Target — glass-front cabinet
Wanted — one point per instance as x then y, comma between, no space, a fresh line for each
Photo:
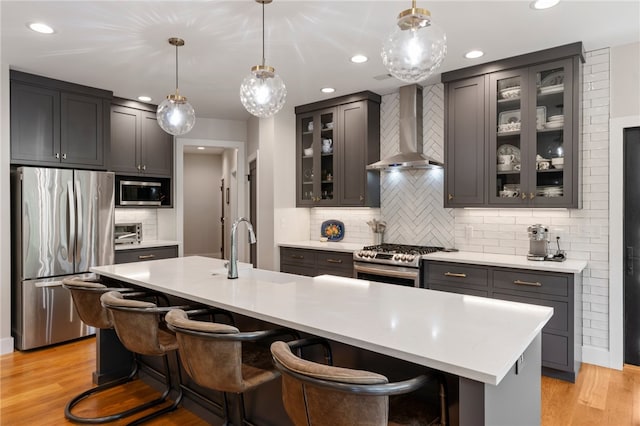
531,136
317,162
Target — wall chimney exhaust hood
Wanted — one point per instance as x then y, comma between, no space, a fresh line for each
410,156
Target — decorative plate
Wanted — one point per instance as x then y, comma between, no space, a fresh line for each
553,79
507,149
333,230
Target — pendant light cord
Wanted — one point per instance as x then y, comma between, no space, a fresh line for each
176,69
263,60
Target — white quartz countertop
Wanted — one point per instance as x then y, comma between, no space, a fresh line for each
473,337
329,245
147,244
507,261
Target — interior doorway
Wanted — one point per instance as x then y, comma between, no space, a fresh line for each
631,141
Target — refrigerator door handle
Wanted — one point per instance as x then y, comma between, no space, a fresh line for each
72,220
48,284
79,216
629,251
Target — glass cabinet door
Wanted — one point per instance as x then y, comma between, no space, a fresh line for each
316,160
327,158
507,160
553,127
306,149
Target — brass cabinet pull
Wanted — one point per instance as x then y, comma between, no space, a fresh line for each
452,274
334,260
297,256
531,195
361,198
529,283
57,155
450,197
524,195
144,167
146,256
64,156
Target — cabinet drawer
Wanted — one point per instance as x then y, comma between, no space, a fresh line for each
540,283
560,319
151,253
459,290
456,273
298,257
334,260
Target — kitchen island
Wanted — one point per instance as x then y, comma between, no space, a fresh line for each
492,347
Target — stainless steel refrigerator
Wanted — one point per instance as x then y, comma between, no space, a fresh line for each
62,224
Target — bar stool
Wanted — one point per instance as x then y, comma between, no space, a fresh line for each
139,326
220,357
86,299
318,395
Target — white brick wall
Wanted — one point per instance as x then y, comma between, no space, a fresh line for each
148,218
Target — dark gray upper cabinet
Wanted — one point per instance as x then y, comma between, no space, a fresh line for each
139,146
55,123
464,151
335,140
529,138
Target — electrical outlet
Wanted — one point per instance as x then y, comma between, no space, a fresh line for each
468,230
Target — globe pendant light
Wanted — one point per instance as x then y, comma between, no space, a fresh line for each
415,48
263,92
175,115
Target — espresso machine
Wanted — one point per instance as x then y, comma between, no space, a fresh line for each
539,245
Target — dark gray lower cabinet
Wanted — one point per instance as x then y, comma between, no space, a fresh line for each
311,263
147,253
561,337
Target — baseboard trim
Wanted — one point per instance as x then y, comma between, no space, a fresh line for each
6,345
599,356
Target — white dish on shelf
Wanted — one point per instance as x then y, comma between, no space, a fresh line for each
554,79
551,89
510,92
554,125
559,117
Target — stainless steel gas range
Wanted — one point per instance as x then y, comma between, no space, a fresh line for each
391,263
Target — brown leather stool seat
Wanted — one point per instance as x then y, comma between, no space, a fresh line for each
317,395
222,358
86,299
139,326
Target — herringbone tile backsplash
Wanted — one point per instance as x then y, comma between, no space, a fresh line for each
412,199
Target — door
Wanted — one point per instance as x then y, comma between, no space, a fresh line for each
125,139
352,156
156,147
48,222
94,204
222,230
253,210
631,140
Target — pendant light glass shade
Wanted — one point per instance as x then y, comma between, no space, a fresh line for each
263,93
175,115
415,48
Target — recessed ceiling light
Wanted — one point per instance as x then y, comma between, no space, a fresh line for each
201,148
144,98
40,27
473,54
543,4
359,59
327,90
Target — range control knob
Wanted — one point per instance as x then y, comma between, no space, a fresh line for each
410,257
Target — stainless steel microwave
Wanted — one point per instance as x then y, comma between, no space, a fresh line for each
139,193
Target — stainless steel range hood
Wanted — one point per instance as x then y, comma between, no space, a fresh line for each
410,156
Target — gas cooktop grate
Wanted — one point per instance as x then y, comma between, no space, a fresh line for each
403,249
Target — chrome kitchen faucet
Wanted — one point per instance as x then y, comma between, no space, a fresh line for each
233,262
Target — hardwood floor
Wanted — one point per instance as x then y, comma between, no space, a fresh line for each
36,385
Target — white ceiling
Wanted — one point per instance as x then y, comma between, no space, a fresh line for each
122,45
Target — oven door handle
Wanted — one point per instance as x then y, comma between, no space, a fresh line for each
386,272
